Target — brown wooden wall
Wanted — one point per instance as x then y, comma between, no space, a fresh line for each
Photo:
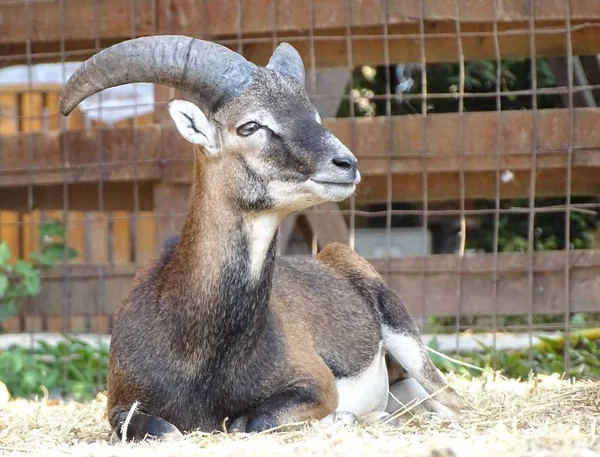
100,237
127,185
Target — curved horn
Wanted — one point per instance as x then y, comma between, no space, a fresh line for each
209,71
287,60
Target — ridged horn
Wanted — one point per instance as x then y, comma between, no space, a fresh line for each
210,72
287,60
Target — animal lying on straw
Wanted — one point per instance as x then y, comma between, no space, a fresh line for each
217,329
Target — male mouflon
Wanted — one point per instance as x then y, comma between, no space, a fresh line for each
216,326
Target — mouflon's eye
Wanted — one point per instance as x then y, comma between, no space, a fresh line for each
248,128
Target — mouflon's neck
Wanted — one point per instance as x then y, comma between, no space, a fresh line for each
224,261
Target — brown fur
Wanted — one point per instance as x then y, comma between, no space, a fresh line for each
216,327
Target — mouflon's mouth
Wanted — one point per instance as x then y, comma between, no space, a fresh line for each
335,182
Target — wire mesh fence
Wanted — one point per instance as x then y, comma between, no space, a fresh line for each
475,126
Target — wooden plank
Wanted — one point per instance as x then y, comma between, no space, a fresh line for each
405,187
327,223
75,20
329,86
79,25
171,205
75,226
30,234
31,112
52,114
146,236
447,186
12,325
286,228
435,293
55,323
121,237
409,141
368,45
99,323
329,47
39,88
79,156
10,232
413,146
9,112
405,146
88,294
110,19
83,197
99,232
402,144
33,324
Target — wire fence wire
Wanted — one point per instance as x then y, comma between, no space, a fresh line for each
475,126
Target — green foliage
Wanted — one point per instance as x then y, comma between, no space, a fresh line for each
481,77
76,369
22,279
53,248
19,280
549,228
71,368
541,359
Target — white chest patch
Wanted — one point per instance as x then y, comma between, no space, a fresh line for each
261,230
366,392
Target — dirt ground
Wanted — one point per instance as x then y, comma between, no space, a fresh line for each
545,416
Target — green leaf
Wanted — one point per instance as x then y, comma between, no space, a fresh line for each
52,228
30,279
7,309
4,253
23,268
4,285
54,253
578,319
29,381
434,344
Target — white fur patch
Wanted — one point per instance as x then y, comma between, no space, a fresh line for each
261,230
403,393
318,118
366,392
194,126
405,349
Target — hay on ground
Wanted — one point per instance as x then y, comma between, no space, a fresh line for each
545,416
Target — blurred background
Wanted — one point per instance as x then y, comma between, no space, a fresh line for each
475,124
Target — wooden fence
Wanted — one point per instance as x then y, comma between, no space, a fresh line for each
99,237
127,185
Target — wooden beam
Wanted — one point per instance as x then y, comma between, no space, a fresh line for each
373,189
446,142
113,196
434,293
327,223
328,91
286,228
591,67
171,206
477,185
407,147
400,145
80,27
329,48
86,19
80,156
560,68
437,292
